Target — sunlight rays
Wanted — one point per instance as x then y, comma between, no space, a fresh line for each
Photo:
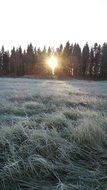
53,63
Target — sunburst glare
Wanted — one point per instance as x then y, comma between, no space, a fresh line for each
53,63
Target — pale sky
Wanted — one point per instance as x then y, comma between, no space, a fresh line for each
51,22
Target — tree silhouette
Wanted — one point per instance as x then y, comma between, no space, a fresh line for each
72,61
103,72
97,60
85,60
5,66
91,63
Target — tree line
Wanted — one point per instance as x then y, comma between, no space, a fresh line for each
73,61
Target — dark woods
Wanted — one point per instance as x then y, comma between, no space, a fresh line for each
73,62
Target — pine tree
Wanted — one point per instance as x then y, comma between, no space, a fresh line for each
5,66
66,60
85,60
19,62
49,51
91,63
0,63
60,49
30,59
103,69
97,60
13,62
77,60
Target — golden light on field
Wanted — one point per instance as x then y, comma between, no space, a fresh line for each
53,63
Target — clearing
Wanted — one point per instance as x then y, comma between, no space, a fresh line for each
53,134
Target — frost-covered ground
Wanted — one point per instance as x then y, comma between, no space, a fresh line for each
53,134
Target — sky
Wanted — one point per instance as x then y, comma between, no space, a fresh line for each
51,22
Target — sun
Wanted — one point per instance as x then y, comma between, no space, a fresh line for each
52,62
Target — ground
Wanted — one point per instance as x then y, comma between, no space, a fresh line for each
53,134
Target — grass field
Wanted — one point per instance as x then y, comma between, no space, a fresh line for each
53,135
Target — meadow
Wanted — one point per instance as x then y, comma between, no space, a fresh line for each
53,134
